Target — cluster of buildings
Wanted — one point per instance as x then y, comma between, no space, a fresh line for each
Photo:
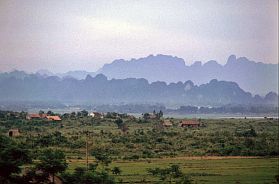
15,131
165,123
43,116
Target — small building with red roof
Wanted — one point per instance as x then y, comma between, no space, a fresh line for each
189,123
54,118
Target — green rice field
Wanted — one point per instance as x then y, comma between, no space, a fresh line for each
207,170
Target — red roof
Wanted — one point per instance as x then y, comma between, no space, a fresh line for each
54,118
34,115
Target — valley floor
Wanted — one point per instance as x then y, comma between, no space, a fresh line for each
202,170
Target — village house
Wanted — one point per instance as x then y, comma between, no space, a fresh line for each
189,123
36,116
167,123
53,118
13,132
96,115
33,116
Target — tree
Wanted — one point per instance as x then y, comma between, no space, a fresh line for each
79,114
160,114
185,180
146,116
41,112
73,114
81,176
175,171
116,171
12,156
251,132
119,122
172,172
154,112
84,113
52,162
93,167
121,125
66,116
124,128
102,156
80,170
50,113
22,114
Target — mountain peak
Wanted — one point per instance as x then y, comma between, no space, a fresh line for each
101,77
88,77
161,58
245,60
231,59
211,63
271,95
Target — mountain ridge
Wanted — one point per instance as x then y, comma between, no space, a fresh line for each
101,90
250,75
255,77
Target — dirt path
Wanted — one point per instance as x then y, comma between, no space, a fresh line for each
207,157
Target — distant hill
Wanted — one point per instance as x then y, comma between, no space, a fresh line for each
77,74
16,74
256,77
100,90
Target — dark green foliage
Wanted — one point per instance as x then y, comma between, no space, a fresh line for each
52,162
12,156
119,122
102,156
184,180
148,117
81,176
112,115
93,167
160,114
116,170
84,113
121,125
50,113
246,133
132,157
172,173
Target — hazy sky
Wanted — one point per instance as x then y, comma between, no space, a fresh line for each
73,35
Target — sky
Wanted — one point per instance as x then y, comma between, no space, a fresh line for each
83,35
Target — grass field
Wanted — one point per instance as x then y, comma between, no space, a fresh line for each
207,170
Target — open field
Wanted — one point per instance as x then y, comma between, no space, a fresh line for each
207,170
